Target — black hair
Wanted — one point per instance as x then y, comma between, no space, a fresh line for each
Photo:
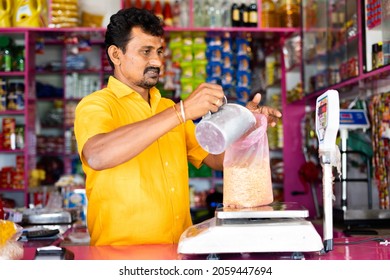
119,29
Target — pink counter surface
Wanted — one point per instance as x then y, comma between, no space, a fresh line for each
348,248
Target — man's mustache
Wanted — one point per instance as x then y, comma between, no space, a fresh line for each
154,69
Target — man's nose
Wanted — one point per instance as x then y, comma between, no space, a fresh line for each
156,60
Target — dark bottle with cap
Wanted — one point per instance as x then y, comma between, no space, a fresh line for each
235,14
243,15
252,15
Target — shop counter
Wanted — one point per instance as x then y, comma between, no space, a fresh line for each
347,248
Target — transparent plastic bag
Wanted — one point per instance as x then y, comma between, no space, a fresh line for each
247,173
10,248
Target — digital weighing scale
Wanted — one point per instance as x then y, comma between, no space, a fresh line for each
278,227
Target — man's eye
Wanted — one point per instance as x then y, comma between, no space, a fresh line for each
146,52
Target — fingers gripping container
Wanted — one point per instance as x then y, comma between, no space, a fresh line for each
247,173
217,131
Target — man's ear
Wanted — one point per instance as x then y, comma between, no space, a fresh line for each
114,52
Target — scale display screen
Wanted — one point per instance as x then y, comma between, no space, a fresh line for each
353,119
322,117
327,119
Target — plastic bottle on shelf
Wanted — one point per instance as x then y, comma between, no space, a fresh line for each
27,13
184,14
7,59
19,59
138,4
341,12
198,14
289,13
334,18
148,5
311,13
268,14
157,9
211,13
218,13
206,13
176,13
167,14
5,13
45,13
127,4
225,14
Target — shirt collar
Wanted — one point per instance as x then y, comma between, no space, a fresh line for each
120,90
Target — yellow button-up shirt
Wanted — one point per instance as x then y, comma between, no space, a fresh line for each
144,200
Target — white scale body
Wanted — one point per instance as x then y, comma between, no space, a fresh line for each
278,227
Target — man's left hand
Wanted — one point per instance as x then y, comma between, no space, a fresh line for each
272,114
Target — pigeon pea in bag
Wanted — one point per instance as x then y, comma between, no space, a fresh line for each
247,172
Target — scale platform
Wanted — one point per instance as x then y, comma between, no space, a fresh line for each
278,227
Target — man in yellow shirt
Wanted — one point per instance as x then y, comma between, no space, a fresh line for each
135,145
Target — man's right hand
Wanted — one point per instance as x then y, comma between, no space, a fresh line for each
205,98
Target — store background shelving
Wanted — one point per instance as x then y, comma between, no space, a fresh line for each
18,160
48,146
283,49
361,84
78,71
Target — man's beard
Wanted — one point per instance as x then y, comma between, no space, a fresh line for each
149,82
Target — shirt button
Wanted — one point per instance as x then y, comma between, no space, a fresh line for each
166,163
172,189
177,217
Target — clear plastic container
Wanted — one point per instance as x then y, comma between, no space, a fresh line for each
217,131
